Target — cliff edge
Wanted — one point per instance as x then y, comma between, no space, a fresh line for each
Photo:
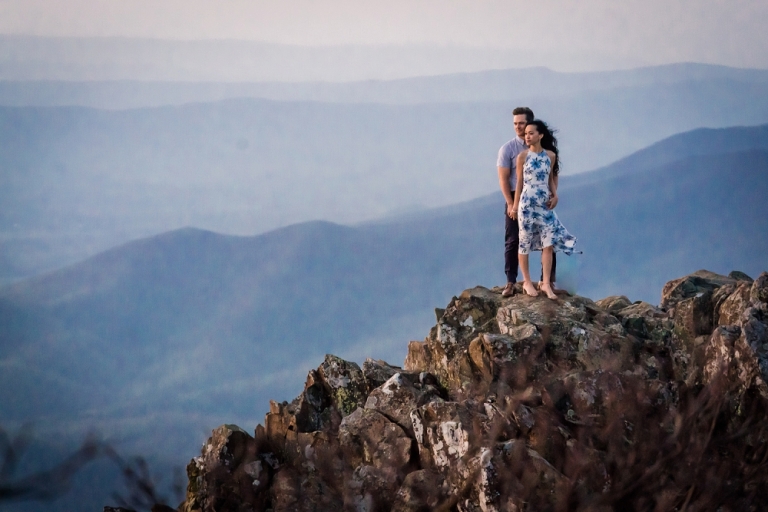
522,403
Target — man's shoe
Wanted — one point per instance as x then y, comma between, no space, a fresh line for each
508,290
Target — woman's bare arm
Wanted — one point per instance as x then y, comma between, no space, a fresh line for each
553,183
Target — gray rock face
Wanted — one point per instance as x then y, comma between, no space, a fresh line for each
614,303
398,396
758,292
522,403
699,282
226,473
377,373
730,304
379,451
369,437
345,384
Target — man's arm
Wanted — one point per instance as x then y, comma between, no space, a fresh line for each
504,166
518,186
504,173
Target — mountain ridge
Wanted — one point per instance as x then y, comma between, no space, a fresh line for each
238,60
489,85
698,142
80,181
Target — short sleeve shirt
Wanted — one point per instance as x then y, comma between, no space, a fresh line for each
508,158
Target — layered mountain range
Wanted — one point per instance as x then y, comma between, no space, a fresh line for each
77,181
482,86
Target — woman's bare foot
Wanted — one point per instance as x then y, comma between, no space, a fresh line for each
529,289
547,289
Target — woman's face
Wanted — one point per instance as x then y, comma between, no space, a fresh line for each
532,135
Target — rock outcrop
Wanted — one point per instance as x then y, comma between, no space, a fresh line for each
523,403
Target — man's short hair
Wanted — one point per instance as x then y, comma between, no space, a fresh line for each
524,111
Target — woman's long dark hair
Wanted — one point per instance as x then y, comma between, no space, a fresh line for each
548,141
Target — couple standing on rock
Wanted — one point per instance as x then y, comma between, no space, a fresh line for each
528,167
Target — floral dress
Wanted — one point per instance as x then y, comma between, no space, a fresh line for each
539,226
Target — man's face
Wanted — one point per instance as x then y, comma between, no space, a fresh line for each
519,121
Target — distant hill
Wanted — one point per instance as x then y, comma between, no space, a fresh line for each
515,85
155,341
76,181
119,58
24,57
695,143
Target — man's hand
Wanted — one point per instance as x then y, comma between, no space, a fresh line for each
552,201
512,211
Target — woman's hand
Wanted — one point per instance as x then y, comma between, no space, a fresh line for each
552,201
512,210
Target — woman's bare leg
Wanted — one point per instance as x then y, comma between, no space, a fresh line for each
527,284
546,263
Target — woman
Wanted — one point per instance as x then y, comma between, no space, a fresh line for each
535,198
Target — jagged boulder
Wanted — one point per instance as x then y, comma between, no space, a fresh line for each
378,452
377,372
731,303
758,293
524,403
527,339
692,285
331,392
345,384
444,352
489,490
400,395
369,437
739,350
227,474
442,433
614,303
719,328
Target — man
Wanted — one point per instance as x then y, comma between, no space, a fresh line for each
506,164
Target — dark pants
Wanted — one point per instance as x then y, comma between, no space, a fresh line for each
511,243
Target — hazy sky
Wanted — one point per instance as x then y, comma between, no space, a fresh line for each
730,32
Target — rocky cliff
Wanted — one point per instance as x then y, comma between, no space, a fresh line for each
524,403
